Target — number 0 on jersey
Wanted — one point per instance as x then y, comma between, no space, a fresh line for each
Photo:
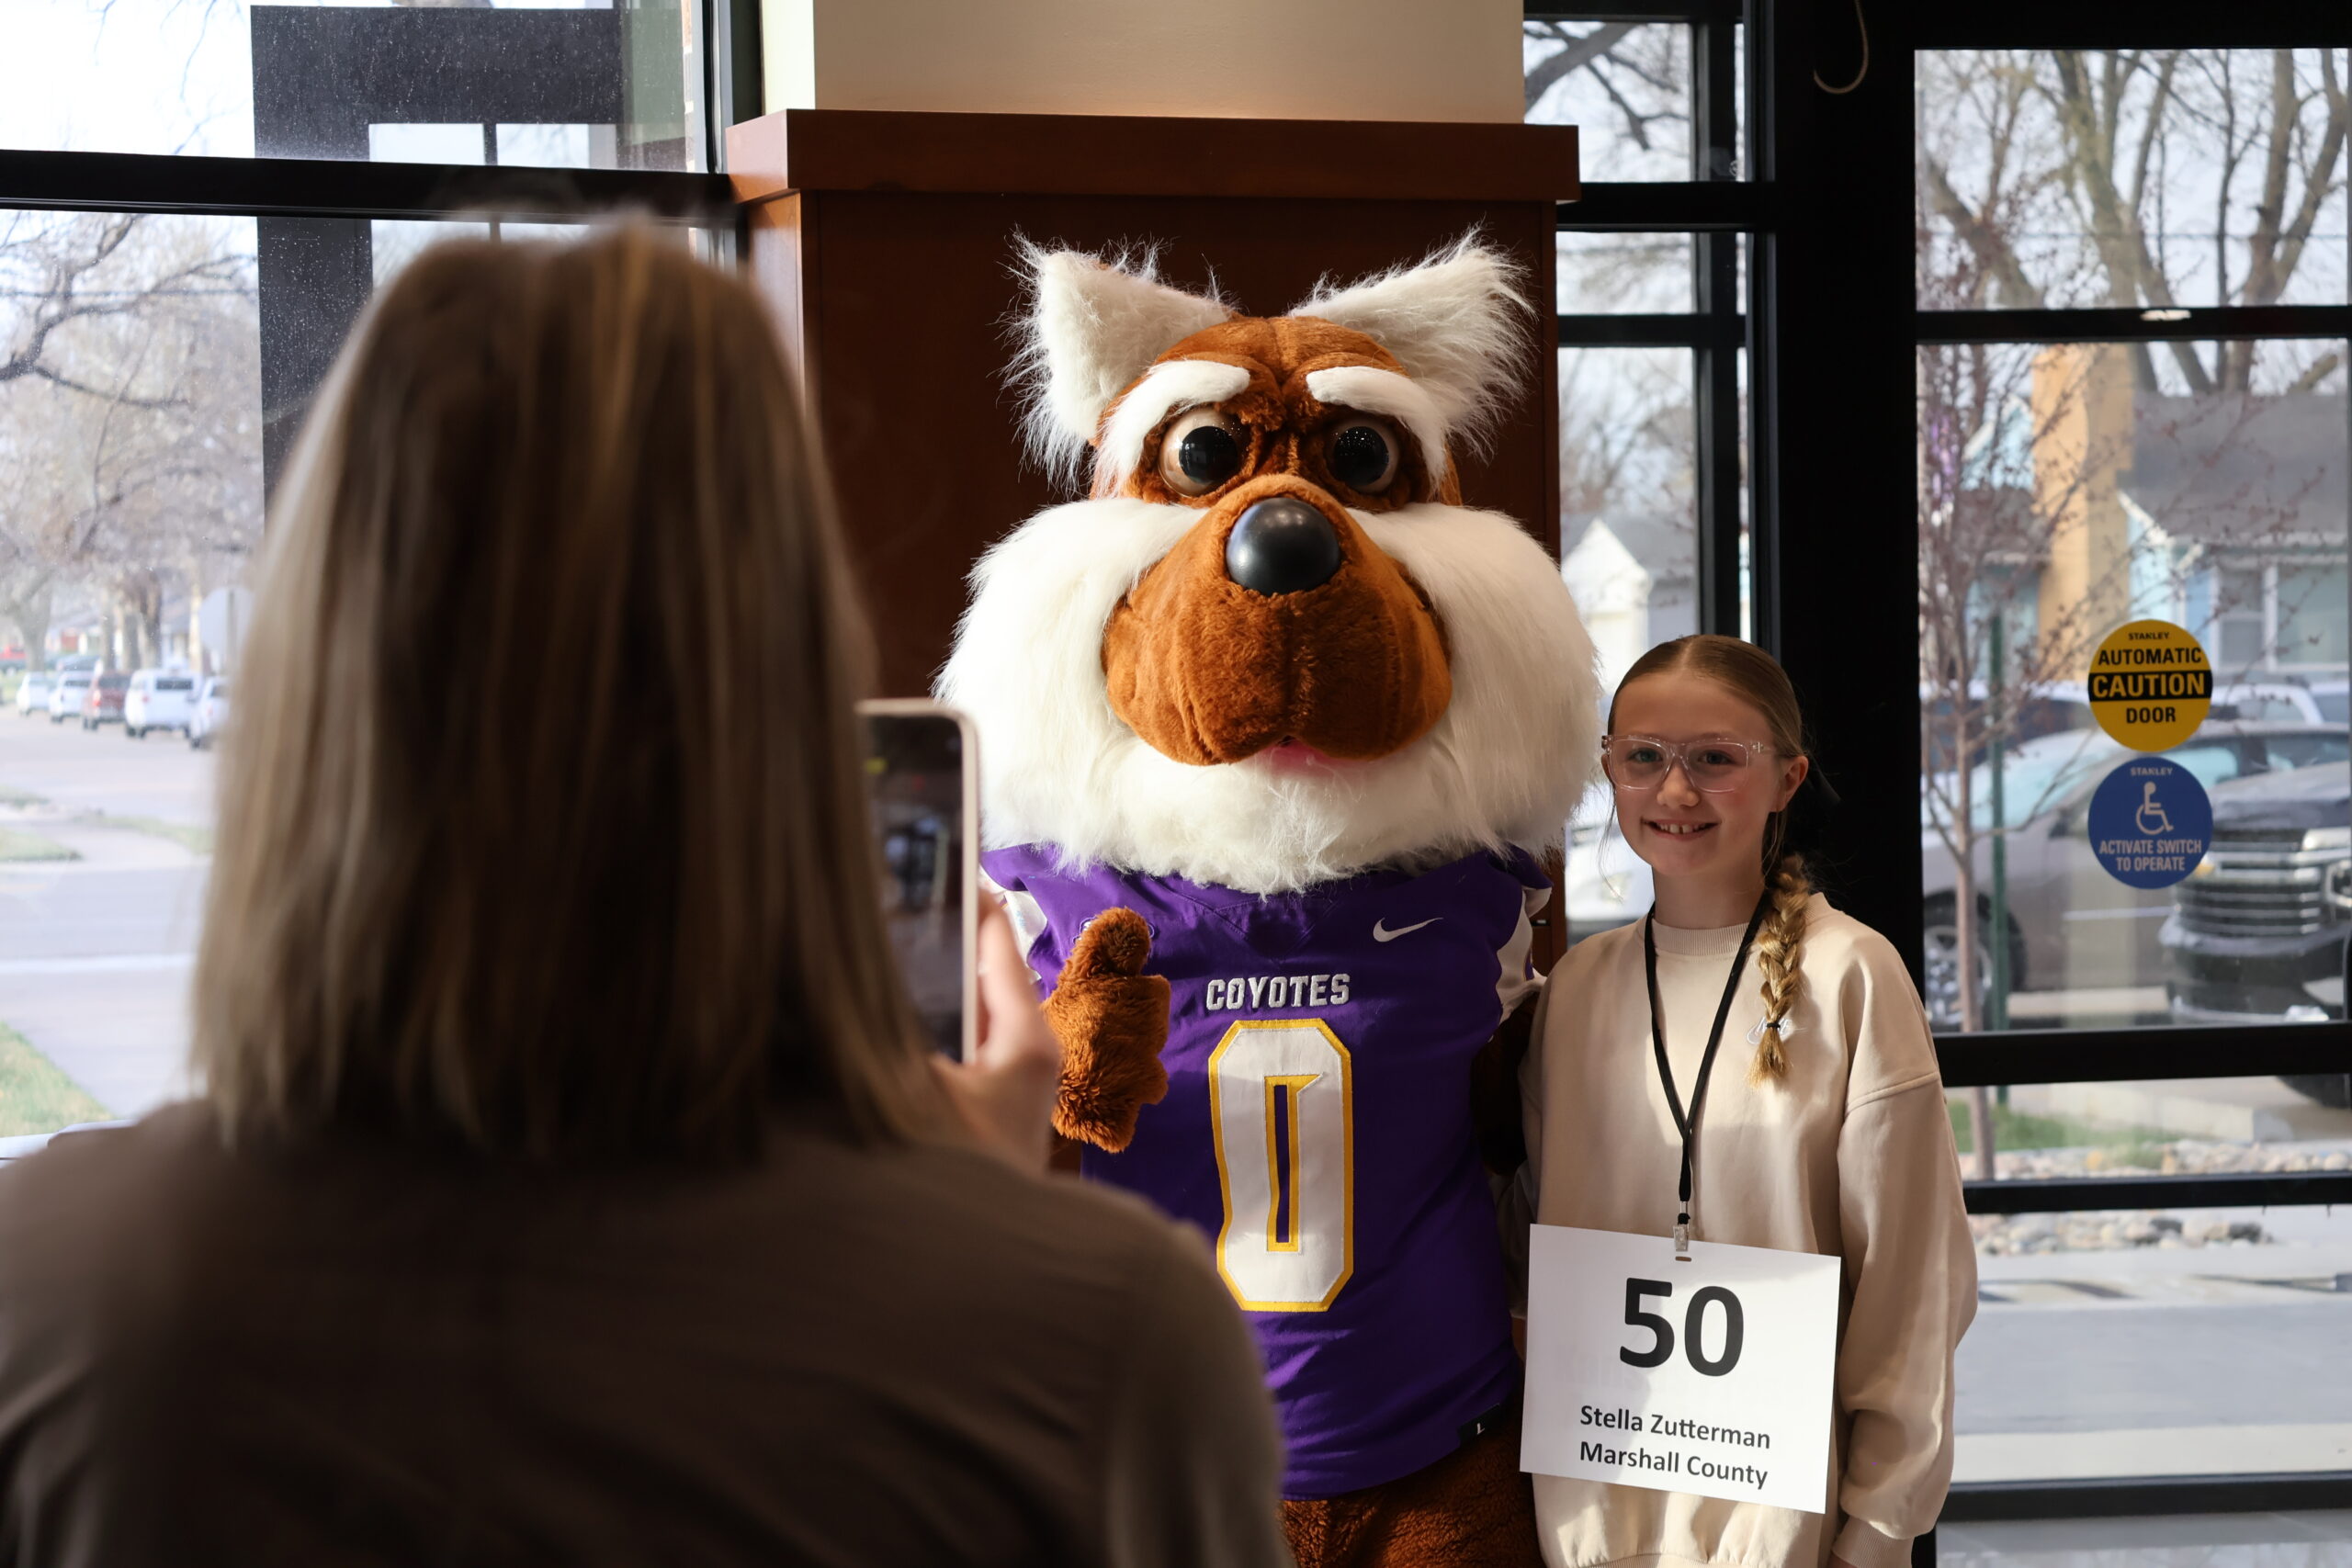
1281,1105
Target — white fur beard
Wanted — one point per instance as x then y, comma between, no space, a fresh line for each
1506,764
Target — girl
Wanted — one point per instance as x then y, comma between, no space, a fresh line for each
1821,1128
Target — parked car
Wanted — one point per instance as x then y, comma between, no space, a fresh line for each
2285,702
2054,708
102,700
66,696
2071,925
211,711
2258,933
158,699
32,693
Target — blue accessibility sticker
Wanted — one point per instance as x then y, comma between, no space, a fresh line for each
2150,821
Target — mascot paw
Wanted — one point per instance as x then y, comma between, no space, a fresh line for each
1112,1020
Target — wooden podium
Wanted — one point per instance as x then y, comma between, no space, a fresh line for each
884,241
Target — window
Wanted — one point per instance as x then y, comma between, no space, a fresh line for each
2152,177
1653,427
134,454
2131,403
158,358
2115,496
572,83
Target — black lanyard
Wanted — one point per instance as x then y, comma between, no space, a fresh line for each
1687,1122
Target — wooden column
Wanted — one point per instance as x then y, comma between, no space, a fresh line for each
886,241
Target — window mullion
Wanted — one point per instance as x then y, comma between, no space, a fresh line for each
1715,364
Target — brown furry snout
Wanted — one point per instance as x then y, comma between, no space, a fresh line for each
1207,671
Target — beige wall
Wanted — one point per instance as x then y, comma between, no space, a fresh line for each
1439,60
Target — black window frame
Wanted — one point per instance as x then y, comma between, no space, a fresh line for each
1719,206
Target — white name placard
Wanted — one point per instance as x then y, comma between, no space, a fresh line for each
1713,1376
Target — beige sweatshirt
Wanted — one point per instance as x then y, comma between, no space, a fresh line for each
1850,1154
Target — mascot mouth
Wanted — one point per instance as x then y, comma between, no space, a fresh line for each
1291,755
1276,625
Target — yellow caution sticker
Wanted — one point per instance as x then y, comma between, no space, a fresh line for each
2151,684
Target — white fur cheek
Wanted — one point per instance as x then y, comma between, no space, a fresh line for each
1027,665
1524,723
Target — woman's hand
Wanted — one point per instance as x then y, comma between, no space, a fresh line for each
1006,1096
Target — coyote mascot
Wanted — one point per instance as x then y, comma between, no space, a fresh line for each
1272,729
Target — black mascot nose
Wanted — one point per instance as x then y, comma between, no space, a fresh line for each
1281,546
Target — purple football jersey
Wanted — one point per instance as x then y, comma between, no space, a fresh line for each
1317,1128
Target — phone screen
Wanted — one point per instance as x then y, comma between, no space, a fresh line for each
916,768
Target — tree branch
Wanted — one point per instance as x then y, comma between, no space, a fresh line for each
1994,253
1579,52
58,378
2319,180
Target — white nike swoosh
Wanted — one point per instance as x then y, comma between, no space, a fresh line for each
1380,932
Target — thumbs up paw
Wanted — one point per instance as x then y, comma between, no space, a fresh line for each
1112,1020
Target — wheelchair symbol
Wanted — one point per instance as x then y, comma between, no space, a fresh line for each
2151,816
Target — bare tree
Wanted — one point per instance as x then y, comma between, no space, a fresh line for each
129,423
2111,146
1640,72
63,273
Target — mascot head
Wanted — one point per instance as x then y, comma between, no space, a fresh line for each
1273,648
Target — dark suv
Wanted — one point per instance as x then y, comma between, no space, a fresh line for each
2257,932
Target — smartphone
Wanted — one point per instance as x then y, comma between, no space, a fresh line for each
922,781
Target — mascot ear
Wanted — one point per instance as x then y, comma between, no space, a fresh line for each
1094,324
1457,323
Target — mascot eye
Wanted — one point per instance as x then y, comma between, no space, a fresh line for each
1364,455
1200,452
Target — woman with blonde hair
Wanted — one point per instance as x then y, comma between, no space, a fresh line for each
1821,1129
569,1181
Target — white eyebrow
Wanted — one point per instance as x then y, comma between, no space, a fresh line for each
1166,388
1371,389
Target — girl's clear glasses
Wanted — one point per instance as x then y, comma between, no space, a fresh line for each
1642,761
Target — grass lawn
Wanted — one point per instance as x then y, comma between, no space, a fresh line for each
35,1096
195,840
19,844
2134,1148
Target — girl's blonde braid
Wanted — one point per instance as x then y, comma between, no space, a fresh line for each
1780,954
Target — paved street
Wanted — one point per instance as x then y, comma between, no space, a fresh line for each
2134,1376
95,951
100,770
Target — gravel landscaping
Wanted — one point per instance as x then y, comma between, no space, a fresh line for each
2108,1230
